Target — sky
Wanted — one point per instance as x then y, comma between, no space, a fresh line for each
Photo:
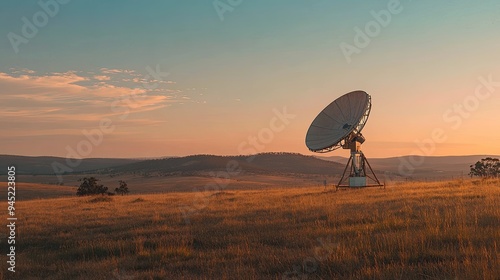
172,78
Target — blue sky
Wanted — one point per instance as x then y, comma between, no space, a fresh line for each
226,76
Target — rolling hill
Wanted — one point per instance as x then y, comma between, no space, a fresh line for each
421,167
266,163
395,168
185,173
43,165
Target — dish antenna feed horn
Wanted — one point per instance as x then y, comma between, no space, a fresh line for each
339,125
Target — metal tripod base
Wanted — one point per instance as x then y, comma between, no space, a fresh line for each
359,171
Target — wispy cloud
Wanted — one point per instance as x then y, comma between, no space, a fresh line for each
102,78
116,71
80,98
8,112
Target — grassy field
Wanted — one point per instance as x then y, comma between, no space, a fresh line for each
29,191
162,184
442,230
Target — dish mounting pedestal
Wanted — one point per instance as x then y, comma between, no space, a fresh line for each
359,168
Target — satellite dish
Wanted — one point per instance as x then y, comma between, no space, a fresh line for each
339,125
345,116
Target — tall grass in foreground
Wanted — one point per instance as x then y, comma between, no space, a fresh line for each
445,230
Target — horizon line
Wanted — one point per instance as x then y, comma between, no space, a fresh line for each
319,155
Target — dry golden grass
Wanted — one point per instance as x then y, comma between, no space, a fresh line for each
445,230
28,191
179,183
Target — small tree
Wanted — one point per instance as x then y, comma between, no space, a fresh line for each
486,168
90,186
123,189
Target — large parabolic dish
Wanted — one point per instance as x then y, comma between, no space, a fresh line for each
344,117
339,125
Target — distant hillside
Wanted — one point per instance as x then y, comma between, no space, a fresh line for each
432,167
268,163
43,165
440,167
